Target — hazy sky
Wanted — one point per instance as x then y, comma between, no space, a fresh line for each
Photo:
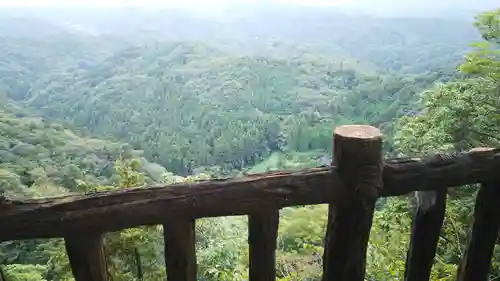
177,3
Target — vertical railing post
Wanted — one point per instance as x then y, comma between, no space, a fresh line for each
476,261
262,240
138,264
2,274
358,160
180,250
426,228
86,257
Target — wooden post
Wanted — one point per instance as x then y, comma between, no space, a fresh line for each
358,160
86,257
2,274
180,250
138,264
427,224
476,262
262,239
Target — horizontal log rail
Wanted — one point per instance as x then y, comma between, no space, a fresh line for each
351,185
115,210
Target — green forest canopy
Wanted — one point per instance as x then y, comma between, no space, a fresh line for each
186,100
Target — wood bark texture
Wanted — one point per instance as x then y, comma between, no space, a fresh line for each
358,158
180,250
2,274
116,210
476,262
86,257
262,240
426,228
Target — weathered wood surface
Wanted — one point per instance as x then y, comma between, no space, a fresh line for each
404,176
262,241
180,250
476,262
110,211
358,158
2,274
427,224
138,264
115,210
86,257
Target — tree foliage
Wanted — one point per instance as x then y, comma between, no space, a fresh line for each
458,116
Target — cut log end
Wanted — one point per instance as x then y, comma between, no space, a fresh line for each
357,155
358,132
482,149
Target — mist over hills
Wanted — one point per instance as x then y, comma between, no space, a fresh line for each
460,9
224,10
261,20
344,30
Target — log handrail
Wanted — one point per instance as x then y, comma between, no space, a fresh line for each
114,210
351,185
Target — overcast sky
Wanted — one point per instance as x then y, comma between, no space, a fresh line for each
158,3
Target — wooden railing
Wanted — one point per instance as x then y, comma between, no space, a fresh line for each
351,186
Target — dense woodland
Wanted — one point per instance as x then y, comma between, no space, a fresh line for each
94,104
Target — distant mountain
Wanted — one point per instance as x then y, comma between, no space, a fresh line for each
462,9
398,43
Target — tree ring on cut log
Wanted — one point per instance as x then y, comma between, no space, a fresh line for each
482,149
358,132
357,156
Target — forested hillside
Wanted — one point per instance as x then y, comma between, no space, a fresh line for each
189,105
40,158
185,103
114,99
